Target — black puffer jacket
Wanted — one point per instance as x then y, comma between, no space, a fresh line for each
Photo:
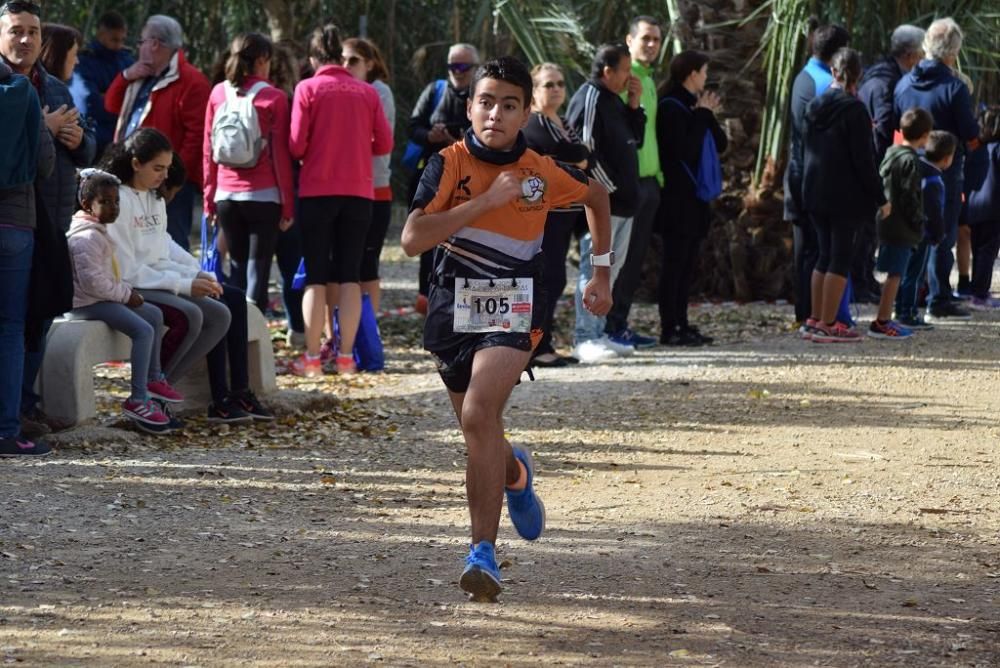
840,178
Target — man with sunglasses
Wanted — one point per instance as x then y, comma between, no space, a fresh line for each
163,91
439,119
51,289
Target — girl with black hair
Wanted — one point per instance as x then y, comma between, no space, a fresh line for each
164,273
250,203
684,115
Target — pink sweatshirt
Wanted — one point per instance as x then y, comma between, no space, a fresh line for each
273,170
337,127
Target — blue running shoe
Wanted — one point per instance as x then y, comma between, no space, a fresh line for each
481,577
627,337
526,510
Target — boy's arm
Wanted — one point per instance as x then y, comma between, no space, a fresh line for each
597,292
423,231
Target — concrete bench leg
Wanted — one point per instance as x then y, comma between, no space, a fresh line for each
67,375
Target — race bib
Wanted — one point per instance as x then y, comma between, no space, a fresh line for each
497,305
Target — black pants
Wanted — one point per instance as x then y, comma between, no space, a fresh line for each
680,257
631,272
863,266
333,238
806,250
289,252
985,246
381,217
232,348
560,227
251,230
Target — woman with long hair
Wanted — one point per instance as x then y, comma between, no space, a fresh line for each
364,61
253,201
338,125
60,47
549,134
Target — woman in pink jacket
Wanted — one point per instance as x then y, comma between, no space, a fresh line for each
252,201
337,127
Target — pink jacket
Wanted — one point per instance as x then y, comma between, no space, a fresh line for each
273,170
337,127
92,253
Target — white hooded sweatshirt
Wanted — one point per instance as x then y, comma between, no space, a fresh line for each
149,259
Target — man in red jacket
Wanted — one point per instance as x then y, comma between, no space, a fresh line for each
163,91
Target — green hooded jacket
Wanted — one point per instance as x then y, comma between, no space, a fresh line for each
901,178
649,154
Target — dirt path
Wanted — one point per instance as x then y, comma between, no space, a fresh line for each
762,502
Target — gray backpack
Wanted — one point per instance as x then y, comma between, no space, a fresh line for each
236,137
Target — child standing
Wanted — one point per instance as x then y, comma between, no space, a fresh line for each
939,151
100,294
902,230
984,214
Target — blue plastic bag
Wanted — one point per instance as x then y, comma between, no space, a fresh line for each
211,259
368,352
844,310
299,280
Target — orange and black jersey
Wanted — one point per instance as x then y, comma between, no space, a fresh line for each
501,240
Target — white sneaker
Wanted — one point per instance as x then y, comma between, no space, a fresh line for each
619,349
592,351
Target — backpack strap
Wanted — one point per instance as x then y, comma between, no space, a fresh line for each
439,87
678,103
256,88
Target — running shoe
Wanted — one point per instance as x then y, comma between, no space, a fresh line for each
619,349
693,332
481,577
838,332
916,323
145,412
162,390
947,310
627,337
890,329
228,411
526,510
251,405
346,365
593,351
22,447
983,303
307,367
808,328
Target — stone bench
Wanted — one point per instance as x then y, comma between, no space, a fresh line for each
75,346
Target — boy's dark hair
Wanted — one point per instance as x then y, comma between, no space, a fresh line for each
144,145
112,21
846,67
176,174
940,145
828,40
684,63
608,55
92,182
509,69
324,45
633,26
915,123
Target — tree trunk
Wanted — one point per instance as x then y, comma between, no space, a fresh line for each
279,19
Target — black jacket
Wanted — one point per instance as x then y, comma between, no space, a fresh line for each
450,110
613,132
876,90
803,92
680,136
840,178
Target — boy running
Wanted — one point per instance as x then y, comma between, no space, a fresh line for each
481,205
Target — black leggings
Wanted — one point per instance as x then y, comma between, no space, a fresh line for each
333,238
381,217
985,246
251,230
806,250
232,349
835,237
559,229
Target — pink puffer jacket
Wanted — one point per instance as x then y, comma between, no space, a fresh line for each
92,252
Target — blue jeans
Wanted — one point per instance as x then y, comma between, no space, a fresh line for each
913,278
590,327
180,215
16,246
942,260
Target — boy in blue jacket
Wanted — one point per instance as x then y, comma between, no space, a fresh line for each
939,152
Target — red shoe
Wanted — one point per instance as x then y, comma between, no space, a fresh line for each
307,367
838,332
346,365
162,390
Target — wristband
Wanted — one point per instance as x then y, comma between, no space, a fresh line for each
606,260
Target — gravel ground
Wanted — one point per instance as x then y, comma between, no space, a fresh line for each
760,502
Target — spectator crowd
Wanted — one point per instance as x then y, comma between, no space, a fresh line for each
106,154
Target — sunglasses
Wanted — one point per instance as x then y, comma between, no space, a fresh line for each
20,7
554,84
461,68
350,61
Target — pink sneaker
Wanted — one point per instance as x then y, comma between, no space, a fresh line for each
346,365
838,332
161,389
147,412
306,367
